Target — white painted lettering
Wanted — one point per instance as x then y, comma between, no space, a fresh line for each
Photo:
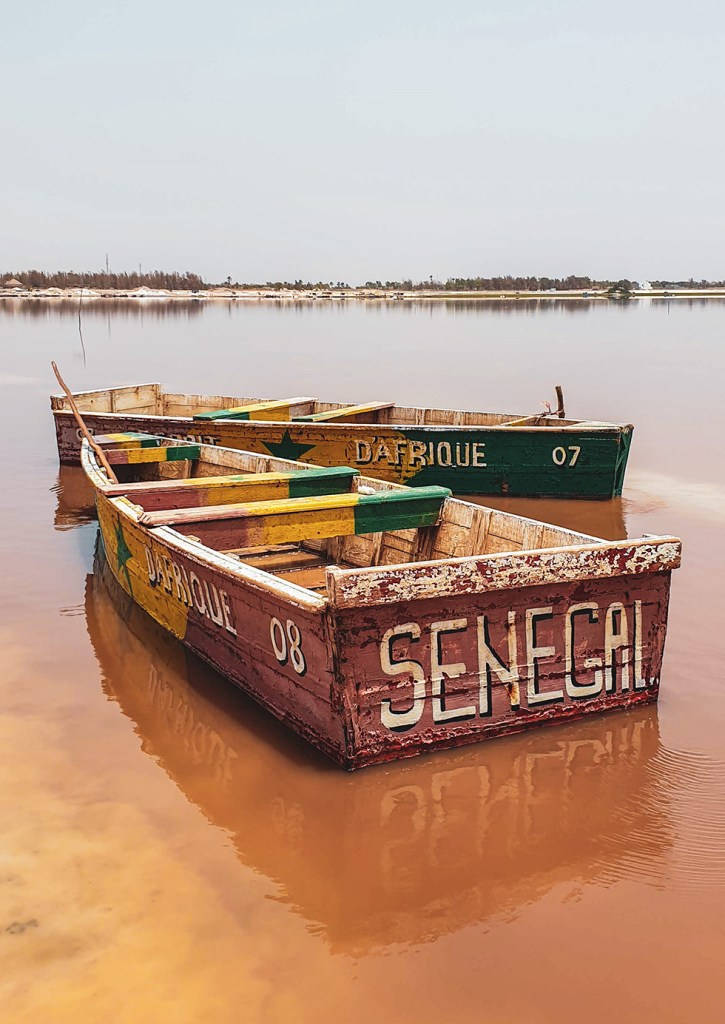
489,662
418,451
363,452
197,594
440,671
639,681
213,607
575,689
150,565
535,654
401,720
479,454
463,454
445,455
616,638
228,623
180,590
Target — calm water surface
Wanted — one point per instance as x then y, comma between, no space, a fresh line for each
170,853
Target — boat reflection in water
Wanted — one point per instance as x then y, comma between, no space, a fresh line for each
597,518
75,499
402,853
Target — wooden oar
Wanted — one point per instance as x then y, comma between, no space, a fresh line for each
83,428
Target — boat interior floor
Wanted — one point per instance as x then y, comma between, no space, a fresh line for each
293,562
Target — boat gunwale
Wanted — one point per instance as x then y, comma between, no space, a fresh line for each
227,565
458,576
59,404
378,585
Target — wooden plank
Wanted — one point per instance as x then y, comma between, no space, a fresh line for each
447,671
505,570
344,413
155,495
389,510
278,561
141,397
276,410
129,439
313,578
275,522
168,453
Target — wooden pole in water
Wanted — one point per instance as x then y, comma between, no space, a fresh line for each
83,428
560,400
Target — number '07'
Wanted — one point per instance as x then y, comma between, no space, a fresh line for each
566,456
287,644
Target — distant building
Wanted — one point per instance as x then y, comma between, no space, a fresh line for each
12,282
645,286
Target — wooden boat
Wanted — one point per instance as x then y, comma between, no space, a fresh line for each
376,620
470,452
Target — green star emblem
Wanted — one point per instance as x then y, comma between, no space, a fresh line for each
123,553
287,448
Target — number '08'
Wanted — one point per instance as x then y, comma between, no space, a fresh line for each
287,644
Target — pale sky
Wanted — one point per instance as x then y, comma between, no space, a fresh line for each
354,141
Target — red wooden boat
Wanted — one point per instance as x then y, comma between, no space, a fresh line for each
376,620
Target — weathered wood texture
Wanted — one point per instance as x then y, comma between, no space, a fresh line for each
238,487
440,672
279,522
388,661
366,413
156,453
226,619
279,409
472,453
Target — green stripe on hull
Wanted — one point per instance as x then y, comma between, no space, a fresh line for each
518,463
329,480
625,443
550,462
179,452
398,510
222,416
125,437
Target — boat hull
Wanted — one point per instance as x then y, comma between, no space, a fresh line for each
231,623
567,462
372,678
444,672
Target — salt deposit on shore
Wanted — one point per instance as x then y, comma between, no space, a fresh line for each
339,294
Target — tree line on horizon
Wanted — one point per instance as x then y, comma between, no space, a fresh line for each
125,281
189,281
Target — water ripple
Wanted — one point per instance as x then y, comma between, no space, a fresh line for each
671,833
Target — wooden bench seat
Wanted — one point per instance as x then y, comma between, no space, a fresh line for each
296,519
347,412
275,410
153,495
162,453
129,439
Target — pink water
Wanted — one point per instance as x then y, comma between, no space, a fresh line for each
169,853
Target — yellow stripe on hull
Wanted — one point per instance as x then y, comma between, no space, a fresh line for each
126,546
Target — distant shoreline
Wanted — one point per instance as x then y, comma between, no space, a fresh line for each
345,294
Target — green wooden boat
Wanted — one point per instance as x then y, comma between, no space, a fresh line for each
540,455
